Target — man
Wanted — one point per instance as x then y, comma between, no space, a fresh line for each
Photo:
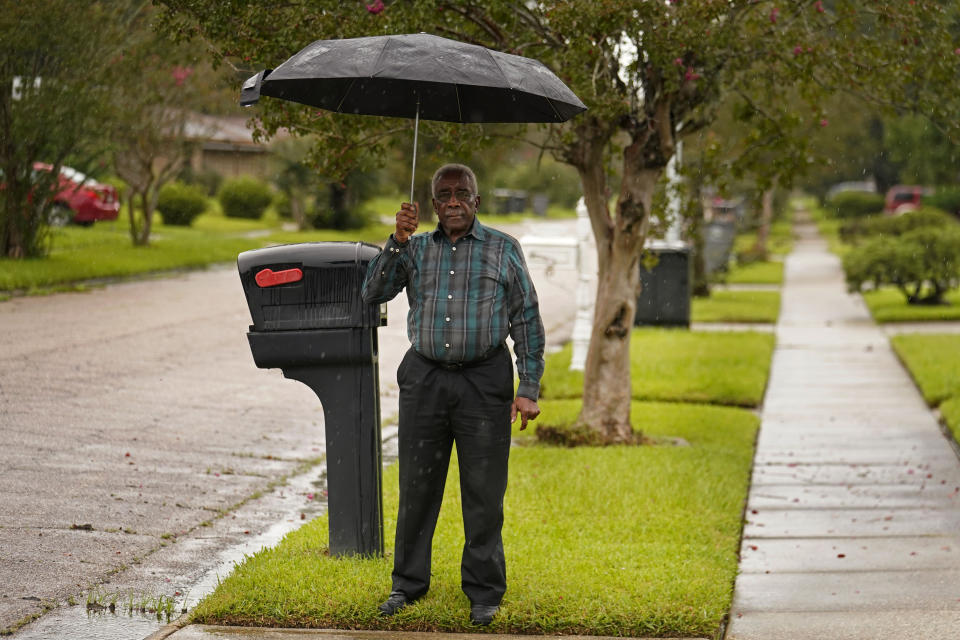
468,288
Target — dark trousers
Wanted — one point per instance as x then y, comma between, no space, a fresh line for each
440,407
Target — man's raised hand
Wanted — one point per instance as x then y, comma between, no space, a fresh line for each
407,220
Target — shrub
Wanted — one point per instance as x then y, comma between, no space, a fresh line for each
855,229
923,264
207,179
946,198
244,197
281,204
325,217
180,203
853,204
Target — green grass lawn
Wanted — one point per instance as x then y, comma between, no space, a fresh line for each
779,242
889,305
728,368
934,363
629,541
106,251
737,306
755,273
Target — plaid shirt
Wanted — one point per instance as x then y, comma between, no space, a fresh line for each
464,298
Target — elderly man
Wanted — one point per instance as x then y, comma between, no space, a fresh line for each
468,288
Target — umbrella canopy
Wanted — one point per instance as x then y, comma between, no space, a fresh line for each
417,76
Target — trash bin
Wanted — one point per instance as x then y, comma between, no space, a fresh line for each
665,290
310,321
718,237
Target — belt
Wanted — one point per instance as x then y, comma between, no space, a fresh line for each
459,366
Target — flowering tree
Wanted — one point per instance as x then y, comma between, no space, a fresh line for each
650,72
157,86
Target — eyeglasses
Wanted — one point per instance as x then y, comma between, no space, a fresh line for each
462,195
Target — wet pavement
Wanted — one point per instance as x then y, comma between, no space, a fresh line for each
145,452
853,518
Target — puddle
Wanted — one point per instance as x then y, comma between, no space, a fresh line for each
79,622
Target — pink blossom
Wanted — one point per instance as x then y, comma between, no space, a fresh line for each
818,5
376,7
678,61
824,122
691,75
180,74
957,51
309,496
774,14
797,50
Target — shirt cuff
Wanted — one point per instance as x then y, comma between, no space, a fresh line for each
528,389
391,241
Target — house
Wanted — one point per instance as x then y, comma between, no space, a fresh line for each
224,145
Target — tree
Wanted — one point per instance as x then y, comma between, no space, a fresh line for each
649,72
158,84
55,60
923,154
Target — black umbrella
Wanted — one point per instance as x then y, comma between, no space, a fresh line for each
417,76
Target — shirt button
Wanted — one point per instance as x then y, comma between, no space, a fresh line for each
451,273
447,345
454,248
447,319
450,297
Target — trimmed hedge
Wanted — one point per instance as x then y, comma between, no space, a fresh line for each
244,197
856,229
853,204
180,203
923,263
946,198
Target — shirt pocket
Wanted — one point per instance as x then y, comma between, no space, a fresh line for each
485,285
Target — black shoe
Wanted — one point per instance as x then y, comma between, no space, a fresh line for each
482,614
397,601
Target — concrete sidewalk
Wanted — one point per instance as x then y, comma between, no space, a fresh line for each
853,519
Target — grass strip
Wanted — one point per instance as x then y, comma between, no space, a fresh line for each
632,541
888,304
727,368
737,306
755,273
934,362
950,412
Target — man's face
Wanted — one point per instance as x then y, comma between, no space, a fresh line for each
455,203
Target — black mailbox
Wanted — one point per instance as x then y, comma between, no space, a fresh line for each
310,321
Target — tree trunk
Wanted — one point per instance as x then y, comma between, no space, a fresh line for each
763,232
297,210
132,215
607,391
697,228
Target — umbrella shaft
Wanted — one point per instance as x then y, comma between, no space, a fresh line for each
416,129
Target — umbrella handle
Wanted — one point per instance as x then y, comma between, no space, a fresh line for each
416,129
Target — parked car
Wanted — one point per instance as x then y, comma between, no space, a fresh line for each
903,198
80,199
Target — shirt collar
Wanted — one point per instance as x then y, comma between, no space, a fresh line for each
477,231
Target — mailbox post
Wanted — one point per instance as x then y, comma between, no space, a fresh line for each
309,321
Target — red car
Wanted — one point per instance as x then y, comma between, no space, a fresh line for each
903,198
80,199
